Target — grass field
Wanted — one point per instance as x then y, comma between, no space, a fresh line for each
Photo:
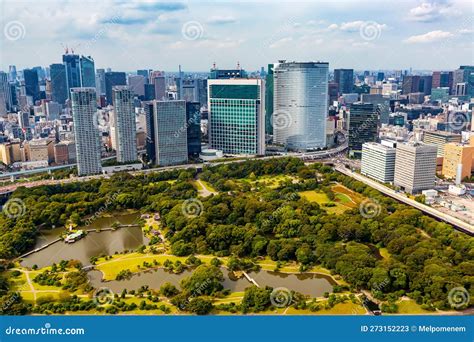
409,306
347,308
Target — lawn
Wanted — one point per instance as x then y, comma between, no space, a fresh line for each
321,198
347,308
409,306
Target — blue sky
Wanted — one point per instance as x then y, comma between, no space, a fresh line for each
129,35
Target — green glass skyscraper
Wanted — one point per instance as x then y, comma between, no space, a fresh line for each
237,115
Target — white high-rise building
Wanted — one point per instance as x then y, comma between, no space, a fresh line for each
378,162
415,167
84,109
125,124
300,104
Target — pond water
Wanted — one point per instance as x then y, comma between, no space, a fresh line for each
94,244
308,283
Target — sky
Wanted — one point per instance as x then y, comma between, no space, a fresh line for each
131,35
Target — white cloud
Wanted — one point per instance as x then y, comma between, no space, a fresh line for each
429,37
281,42
355,26
221,20
429,11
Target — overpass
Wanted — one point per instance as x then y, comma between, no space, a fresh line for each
455,222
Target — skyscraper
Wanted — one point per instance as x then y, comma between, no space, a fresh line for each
58,83
145,74
345,79
237,115
112,79
137,85
87,71
149,108
73,71
193,124
378,162
415,167
6,101
363,121
300,104
125,126
31,84
160,87
100,81
170,132
269,100
86,133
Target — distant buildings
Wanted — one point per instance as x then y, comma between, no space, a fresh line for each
160,88
80,71
362,125
59,88
237,115
440,139
136,84
415,167
125,126
88,149
345,80
31,84
113,79
87,71
378,162
300,104
458,161
65,152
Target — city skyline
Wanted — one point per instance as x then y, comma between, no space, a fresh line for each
121,35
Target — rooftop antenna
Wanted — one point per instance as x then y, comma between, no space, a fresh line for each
238,65
214,65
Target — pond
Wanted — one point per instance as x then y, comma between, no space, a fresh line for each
94,244
311,284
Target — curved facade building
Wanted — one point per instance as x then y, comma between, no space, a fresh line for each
300,104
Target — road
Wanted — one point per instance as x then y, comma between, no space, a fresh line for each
458,224
305,156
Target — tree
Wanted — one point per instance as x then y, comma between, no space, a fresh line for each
255,299
168,290
205,280
200,306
